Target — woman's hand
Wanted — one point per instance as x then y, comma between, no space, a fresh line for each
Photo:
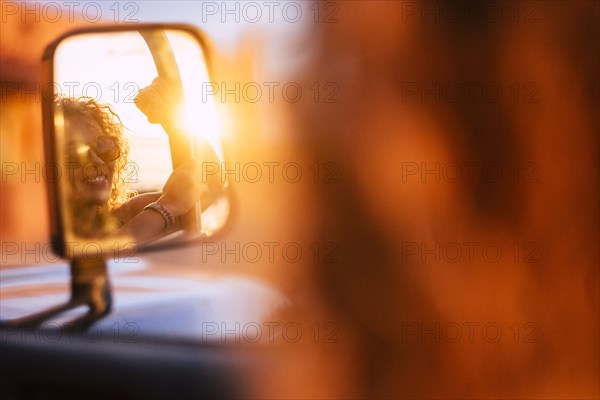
184,188
159,102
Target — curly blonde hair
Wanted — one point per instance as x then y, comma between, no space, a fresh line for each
112,126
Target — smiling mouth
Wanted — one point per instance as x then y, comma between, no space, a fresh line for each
98,179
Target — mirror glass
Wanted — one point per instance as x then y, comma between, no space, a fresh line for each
139,145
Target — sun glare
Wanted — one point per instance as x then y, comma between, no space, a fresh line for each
199,114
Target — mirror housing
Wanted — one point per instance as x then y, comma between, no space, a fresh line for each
189,147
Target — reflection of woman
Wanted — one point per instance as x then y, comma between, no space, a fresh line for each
99,198
96,155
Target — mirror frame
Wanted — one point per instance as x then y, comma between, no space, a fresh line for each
57,232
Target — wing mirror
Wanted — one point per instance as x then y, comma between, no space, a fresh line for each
136,149
135,141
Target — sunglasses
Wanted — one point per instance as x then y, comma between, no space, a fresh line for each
105,147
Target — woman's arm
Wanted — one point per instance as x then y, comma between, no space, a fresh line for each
158,102
182,190
186,185
135,205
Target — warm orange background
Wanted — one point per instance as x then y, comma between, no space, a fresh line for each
375,292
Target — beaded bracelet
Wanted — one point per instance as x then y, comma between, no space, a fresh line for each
164,211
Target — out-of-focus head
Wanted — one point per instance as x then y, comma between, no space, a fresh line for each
466,143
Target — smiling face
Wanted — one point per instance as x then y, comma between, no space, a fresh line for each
92,156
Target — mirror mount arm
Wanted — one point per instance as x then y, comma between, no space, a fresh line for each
90,287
